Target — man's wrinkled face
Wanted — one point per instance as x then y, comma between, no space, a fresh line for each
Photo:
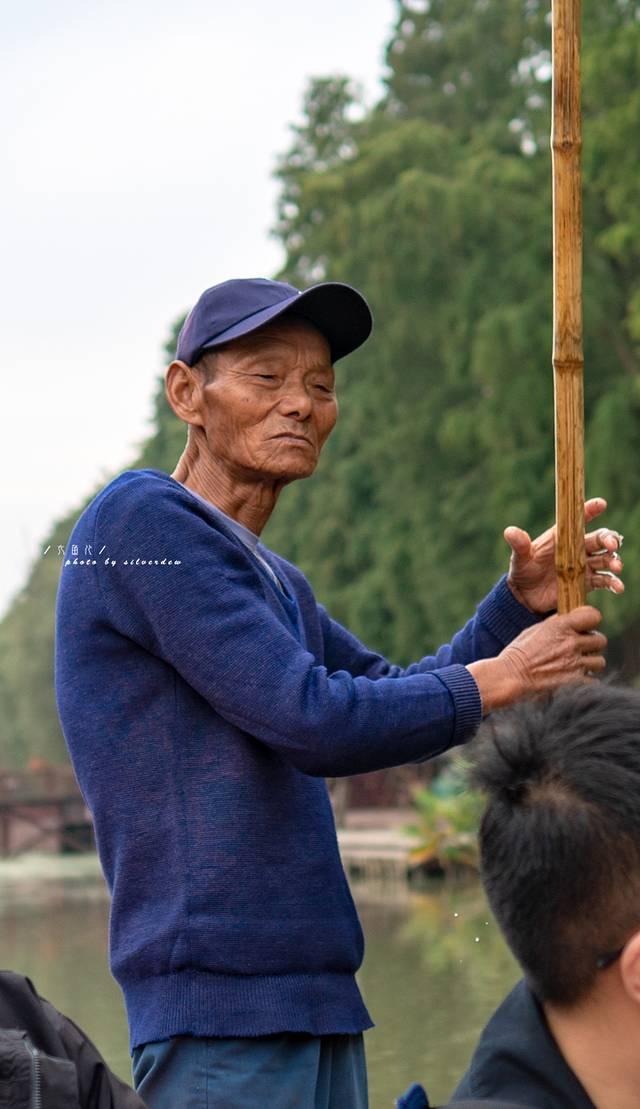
271,403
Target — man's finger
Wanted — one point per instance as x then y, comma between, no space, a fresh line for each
605,539
583,619
594,662
592,644
608,563
594,507
605,579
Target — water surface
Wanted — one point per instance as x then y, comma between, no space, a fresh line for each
435,968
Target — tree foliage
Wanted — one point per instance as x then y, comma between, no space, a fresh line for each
439,209
436,203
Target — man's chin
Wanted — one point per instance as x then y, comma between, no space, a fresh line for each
301,472
285,468
286,474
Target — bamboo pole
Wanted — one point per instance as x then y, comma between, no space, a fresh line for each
568,361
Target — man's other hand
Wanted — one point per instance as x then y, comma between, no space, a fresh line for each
559,650
532,572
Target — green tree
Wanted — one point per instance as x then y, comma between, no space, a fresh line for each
442,217
436,203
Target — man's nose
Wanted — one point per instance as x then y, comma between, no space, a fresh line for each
296,402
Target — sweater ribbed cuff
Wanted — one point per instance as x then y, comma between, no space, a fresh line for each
466,699
504,616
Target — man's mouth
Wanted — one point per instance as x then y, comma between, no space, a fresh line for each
295,438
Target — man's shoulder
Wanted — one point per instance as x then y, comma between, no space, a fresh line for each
134,495
148,508
139,485
499,1030
517,1059
126,486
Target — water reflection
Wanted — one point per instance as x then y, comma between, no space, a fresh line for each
435,968
53,928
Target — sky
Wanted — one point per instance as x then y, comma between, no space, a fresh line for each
138,145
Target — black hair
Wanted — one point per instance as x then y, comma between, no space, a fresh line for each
560,835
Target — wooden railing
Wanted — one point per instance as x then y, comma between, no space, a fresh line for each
50,783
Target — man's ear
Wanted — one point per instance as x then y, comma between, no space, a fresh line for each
630,967
183,390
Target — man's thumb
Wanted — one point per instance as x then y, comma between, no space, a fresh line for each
518,540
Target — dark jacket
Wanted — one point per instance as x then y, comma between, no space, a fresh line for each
517,1060
415,1098
46,1061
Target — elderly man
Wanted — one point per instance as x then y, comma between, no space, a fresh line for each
204,694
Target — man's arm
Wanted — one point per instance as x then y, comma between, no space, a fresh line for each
210,620
498,619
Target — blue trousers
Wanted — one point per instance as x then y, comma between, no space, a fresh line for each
285,1071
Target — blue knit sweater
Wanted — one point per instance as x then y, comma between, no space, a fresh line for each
202,708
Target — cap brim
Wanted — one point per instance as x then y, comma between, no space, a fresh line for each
339,312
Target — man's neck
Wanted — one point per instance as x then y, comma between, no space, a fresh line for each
599,1042
249,502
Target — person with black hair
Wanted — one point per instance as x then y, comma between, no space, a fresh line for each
560,851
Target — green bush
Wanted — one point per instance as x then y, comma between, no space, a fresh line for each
448,815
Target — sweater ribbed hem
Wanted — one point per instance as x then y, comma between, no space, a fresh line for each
504,616
466,698
197,1003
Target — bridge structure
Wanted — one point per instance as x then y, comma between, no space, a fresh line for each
43,810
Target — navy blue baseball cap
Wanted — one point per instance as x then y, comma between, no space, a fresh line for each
237,307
